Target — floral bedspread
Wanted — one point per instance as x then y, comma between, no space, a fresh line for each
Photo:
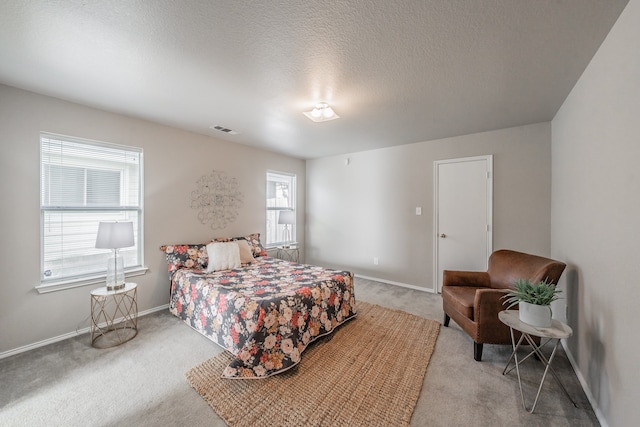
266,313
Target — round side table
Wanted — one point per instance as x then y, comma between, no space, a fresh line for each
114,315
557,331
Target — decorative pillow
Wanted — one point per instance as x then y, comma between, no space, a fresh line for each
223,256
252,239
254,242
246,254
185,256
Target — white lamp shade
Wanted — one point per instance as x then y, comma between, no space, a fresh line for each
114,235
286,217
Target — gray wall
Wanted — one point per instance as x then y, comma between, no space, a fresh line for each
595,219
173,161
366,209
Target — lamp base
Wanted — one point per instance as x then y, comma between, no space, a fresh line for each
115,272
115,287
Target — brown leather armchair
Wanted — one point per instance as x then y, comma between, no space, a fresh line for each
473,298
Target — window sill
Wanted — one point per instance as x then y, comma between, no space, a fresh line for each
77,283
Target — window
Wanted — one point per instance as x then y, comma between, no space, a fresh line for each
281,197
82,183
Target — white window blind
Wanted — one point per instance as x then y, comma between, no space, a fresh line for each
82,183
281,191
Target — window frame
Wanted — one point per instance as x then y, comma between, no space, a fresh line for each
292,207
99,275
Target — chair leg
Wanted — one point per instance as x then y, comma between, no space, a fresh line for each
477,351
446,319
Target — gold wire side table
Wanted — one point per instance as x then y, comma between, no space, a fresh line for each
288,253
114,315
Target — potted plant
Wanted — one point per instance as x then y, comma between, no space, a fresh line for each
534,301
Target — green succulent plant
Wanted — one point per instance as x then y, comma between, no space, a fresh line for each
541,293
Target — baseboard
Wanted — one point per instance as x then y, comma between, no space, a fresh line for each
390,282
585,386
69,335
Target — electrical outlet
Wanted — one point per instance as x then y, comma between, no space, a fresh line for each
375,260
418,210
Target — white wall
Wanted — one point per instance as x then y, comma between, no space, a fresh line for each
596,216
173,162
366,209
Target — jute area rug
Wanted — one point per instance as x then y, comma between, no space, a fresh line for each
369,372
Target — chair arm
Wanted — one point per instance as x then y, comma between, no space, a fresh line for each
488,303
466,278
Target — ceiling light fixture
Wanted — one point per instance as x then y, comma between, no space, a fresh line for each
322,112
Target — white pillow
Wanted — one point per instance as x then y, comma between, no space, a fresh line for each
223,256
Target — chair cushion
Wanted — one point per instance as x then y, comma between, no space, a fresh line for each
461,298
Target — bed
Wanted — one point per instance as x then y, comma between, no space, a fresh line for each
265,312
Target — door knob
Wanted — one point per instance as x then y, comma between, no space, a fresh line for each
443,235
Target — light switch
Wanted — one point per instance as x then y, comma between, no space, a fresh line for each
418,211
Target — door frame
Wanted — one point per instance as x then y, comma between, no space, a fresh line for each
489,159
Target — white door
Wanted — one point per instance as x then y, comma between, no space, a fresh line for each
463,215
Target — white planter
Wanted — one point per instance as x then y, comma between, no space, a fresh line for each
535,315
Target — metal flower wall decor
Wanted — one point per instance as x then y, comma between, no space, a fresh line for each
217,199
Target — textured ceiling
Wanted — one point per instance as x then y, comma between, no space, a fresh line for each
396,72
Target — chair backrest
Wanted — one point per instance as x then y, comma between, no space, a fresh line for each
506,267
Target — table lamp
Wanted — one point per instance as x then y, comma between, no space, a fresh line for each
115,235
287,218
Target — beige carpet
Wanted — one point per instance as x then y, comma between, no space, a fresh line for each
369,372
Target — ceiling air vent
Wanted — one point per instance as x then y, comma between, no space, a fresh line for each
224,129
